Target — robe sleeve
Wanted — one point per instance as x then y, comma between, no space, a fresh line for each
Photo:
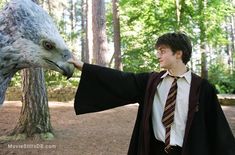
102,88
221,138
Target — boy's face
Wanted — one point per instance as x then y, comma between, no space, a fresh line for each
167,58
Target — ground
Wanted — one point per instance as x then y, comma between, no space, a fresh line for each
103,133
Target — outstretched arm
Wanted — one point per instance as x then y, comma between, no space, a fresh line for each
102,88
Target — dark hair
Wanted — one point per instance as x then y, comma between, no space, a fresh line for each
177,41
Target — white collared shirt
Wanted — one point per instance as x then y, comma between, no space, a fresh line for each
181,108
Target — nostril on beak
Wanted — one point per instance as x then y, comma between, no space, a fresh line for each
67,54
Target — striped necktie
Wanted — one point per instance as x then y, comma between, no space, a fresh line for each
168,114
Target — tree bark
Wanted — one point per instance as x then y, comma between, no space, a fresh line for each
179,12
100,46
34,115
84,43
71,18
202,27
231,62
117,37
178,8
89,31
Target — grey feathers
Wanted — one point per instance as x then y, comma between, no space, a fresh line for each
24,26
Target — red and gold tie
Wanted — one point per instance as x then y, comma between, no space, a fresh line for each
168,114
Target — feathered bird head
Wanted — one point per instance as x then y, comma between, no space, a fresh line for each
29,38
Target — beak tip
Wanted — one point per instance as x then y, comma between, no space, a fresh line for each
68,77
69,72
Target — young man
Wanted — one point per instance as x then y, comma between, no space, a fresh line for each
179,113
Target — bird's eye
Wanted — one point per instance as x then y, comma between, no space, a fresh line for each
48,45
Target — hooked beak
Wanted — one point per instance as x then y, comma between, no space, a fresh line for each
67,70
64,68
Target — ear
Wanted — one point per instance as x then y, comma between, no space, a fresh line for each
179,54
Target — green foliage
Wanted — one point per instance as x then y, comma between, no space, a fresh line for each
138,36
16,80
52,78
222,78
55,79
137,60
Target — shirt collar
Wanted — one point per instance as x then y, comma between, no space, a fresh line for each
187,75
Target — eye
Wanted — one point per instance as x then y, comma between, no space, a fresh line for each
48,45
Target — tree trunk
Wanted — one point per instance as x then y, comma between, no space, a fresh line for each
34,116
202,27
229,37
179,12
63,19
71,17
117,37
84,44
89,31
99,32
178,8
232,43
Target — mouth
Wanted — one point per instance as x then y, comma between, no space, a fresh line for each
64,70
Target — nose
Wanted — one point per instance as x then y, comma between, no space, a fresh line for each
158,55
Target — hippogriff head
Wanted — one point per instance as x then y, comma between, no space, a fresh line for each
37,42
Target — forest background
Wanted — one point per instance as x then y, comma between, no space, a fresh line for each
130,29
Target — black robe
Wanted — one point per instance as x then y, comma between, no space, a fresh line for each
207,131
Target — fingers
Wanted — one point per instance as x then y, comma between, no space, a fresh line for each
70,60
77,63
73,59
